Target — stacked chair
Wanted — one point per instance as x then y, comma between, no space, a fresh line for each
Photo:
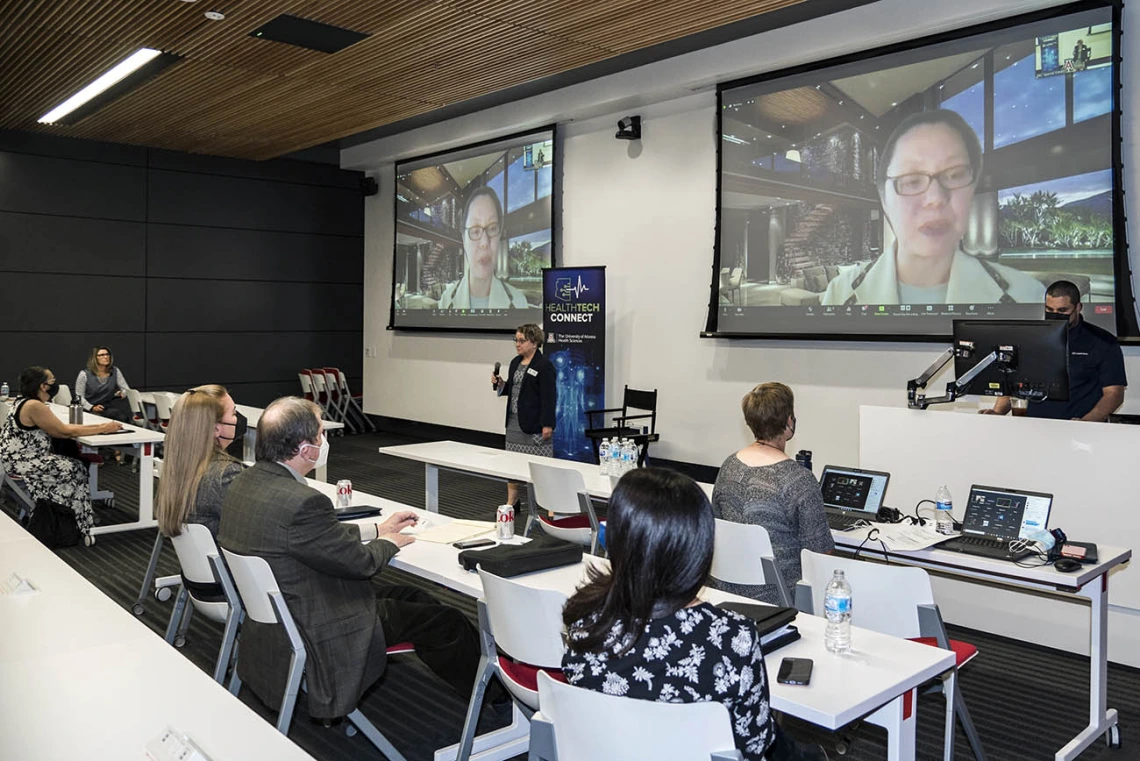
328,387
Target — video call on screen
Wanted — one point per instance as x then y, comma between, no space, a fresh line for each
846,491
474,230
812,241
994,513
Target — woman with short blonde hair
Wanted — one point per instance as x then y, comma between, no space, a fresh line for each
196,470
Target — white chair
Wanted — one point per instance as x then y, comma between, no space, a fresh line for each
306,377
336,397
900,602
163,406
350,400
202,566
63,396
742,554
520,634
138,411
162,586
263,602
320,394
562,491
576,724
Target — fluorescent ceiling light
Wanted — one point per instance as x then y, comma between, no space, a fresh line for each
735,139
116,74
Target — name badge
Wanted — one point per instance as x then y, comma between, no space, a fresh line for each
532,371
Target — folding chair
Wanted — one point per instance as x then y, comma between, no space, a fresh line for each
202,568
900,602
576,724
306,385
263,602
63,396
562,491
353,405
321,395
336,398
742,554
520,635
632,399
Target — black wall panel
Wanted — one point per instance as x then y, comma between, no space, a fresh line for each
183,198
208,305
44,185
192,269
43,243
228,254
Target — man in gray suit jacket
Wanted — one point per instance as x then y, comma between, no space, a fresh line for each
324,572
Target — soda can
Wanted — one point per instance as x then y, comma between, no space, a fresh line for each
343,493
505,522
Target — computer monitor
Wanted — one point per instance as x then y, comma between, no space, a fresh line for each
1034,362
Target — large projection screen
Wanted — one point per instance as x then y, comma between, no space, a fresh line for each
474,229
884,195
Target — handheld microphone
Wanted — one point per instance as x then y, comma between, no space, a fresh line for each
494,386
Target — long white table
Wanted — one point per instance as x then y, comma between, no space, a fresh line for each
142,440
496,464
1089,583
82,679
874,680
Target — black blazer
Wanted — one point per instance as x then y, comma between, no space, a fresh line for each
537,396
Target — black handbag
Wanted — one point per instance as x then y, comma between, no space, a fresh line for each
53,524
507,560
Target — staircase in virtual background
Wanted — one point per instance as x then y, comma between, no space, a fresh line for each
801,247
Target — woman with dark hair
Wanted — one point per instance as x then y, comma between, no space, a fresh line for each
26,451
102,387
483,236
531,388
197,471
639,629
761,484
927,175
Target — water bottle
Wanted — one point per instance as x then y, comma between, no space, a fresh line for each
629,459
837,607
75,411
4,390
943,518
604,457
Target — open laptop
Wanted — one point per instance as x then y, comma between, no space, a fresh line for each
996,516
851,495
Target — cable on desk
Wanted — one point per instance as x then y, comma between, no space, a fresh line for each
873,536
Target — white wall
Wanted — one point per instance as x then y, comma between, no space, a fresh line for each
647,212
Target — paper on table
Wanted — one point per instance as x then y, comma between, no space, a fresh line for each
903,537
16,585
455,531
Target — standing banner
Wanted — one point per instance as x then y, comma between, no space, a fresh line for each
574,320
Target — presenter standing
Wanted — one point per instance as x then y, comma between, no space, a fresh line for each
531,388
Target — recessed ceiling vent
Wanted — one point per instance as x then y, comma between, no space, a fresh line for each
304,33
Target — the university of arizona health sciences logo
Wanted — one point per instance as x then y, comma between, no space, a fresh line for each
566,290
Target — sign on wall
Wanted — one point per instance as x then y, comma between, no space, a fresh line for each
574,311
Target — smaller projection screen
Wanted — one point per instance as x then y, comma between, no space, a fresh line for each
474,229
886,194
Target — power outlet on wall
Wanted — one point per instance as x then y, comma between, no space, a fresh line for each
370,351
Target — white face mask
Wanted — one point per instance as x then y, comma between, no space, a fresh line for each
323,456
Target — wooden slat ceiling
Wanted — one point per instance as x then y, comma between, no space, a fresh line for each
235,95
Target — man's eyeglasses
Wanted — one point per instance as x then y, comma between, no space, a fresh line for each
916,183
476,232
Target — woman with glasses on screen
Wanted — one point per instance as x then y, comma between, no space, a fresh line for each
927,175
482,235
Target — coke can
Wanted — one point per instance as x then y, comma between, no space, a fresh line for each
343,493
505,522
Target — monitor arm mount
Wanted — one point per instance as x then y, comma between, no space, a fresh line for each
1004,356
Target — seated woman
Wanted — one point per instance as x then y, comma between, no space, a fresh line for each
102,386
196,470
633,630
760,484
26,448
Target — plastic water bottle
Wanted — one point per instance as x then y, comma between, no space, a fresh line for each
943,517
4,390
629,456
604,459
837,607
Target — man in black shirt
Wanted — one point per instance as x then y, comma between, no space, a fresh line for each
1096,365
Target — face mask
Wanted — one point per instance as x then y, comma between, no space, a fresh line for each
1056,316
53,389
793,428
239,427
323,457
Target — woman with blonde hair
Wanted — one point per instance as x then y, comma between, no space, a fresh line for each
196,470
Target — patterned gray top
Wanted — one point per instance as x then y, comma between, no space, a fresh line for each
785,499
212,489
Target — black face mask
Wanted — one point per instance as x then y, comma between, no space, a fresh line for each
53,389
239,427
1056,316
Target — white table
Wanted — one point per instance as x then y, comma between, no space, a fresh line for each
874,681
142,440
253,417
1090,583
82,679
496,464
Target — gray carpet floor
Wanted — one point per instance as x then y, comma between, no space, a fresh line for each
1027,701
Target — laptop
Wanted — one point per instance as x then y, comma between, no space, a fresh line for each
996,516
851,495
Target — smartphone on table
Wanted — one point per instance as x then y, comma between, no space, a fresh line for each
795,671
468,544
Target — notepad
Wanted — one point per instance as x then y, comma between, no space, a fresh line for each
16,585
447,533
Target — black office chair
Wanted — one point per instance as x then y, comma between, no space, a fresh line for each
633,399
